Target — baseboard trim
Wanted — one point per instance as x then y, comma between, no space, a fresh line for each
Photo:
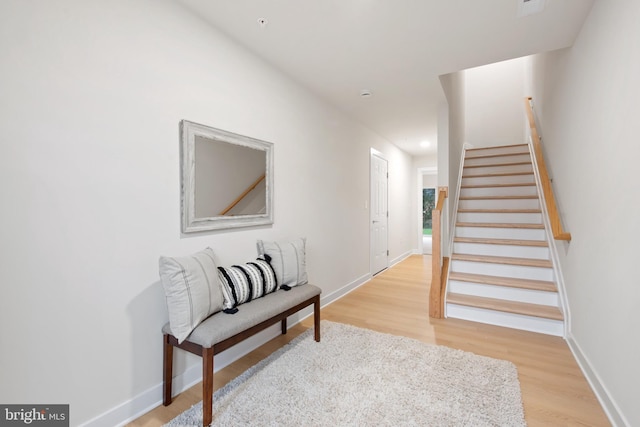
609,405
402,257
339,293
152,397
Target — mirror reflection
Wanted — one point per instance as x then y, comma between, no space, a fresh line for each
227,179
243,172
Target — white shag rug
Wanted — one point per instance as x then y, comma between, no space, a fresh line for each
358,377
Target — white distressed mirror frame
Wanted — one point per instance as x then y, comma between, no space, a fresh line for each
191,223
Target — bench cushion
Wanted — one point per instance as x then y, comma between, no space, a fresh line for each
221,326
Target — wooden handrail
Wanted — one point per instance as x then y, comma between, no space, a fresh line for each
547,190
439,265
242,196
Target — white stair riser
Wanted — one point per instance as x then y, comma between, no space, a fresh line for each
491,151
514,251
516,158
503,292
529,190
500,217
499,204
481,170
486,180
502,270
509,320
501,233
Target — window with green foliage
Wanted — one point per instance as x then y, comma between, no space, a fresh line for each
428,203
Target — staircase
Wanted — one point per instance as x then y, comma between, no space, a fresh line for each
501,271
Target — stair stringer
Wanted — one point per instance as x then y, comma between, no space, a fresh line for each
452,225
553,249
454,218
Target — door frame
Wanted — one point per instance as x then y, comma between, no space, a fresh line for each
432,170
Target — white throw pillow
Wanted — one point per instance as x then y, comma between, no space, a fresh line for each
192,289
288,260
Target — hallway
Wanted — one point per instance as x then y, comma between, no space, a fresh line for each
554,390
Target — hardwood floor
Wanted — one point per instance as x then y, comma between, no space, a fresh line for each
554,390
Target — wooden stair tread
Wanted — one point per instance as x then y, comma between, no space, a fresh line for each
498,197
536,285
499,211
500,185
509,242
515,307
496,147
500,225
497,164
525,262
487,156
497,175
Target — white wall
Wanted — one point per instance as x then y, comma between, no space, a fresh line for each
586,99
92,94
494,107
427,161
453,86
443,171
401,205
430,181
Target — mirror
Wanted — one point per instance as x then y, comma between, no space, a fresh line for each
227,179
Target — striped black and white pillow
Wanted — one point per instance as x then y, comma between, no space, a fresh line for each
246,282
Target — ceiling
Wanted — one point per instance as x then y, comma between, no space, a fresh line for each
396,49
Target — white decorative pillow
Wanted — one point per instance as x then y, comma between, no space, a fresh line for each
192,290
243,283
288,260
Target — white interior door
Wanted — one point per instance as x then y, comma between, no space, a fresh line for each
379,214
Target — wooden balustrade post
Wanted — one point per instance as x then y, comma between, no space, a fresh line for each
439,265
436,277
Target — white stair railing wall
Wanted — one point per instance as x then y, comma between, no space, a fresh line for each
553,248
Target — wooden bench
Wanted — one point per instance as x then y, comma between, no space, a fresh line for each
221,330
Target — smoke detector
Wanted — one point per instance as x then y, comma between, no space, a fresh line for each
365,93
529,7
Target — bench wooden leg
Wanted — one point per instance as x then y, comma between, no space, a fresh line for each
316,318
167,371
284,326
207,386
